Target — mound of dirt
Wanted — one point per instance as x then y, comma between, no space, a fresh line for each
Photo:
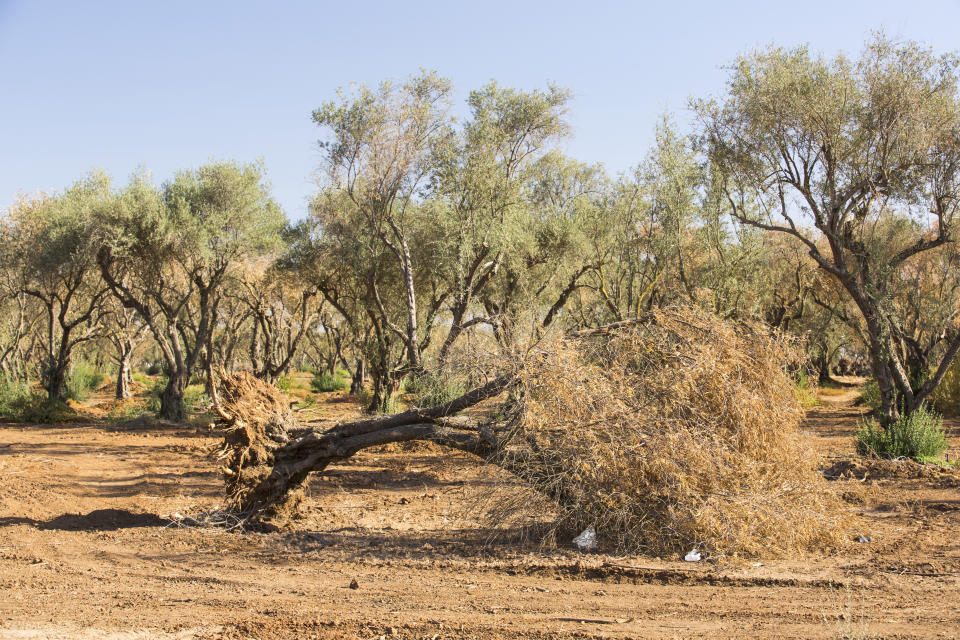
900,469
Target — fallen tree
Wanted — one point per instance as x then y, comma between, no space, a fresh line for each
266,467
673,431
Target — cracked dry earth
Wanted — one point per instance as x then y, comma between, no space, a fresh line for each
89,549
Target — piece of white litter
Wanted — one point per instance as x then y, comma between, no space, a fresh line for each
693,556
587,540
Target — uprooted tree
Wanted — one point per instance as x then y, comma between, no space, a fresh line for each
679,429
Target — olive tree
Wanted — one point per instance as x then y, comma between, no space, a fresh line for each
52,244
169,251
378,158
482,186
826,151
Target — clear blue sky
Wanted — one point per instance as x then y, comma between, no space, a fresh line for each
169,85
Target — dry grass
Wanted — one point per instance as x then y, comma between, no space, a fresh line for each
677,432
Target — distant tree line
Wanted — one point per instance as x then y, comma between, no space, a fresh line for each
816,195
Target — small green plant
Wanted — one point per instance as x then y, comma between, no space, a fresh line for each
324,382
83,378
154,393
918,435
805,390
195,398
870,394
285,383
154,369
432,389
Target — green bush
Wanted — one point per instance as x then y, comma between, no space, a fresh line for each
154,369
19,404
324,382
288,382
154,392
432,389
918,436
82,379
870,394
12,395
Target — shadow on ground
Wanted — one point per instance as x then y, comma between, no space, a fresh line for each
98,520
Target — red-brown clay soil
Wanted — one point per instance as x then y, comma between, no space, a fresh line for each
89,549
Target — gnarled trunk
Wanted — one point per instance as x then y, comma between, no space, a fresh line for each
124,376
171,399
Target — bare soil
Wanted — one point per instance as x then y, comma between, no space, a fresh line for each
94,544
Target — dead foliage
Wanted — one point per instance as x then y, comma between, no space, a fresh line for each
676,432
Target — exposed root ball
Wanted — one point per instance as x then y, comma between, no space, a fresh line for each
260,421
678,432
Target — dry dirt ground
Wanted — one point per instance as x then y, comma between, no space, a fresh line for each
391,546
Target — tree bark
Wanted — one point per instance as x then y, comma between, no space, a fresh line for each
124,376
171,399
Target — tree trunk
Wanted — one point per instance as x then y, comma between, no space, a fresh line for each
359,376
171,400
124,376
383,387
56,381
285,465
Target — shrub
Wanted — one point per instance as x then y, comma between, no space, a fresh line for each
946,398
154,392
40,409
285,383
433,389
154,369
19,404
324,382
918,436
870,394
82,379
195,398
12,395
437,390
